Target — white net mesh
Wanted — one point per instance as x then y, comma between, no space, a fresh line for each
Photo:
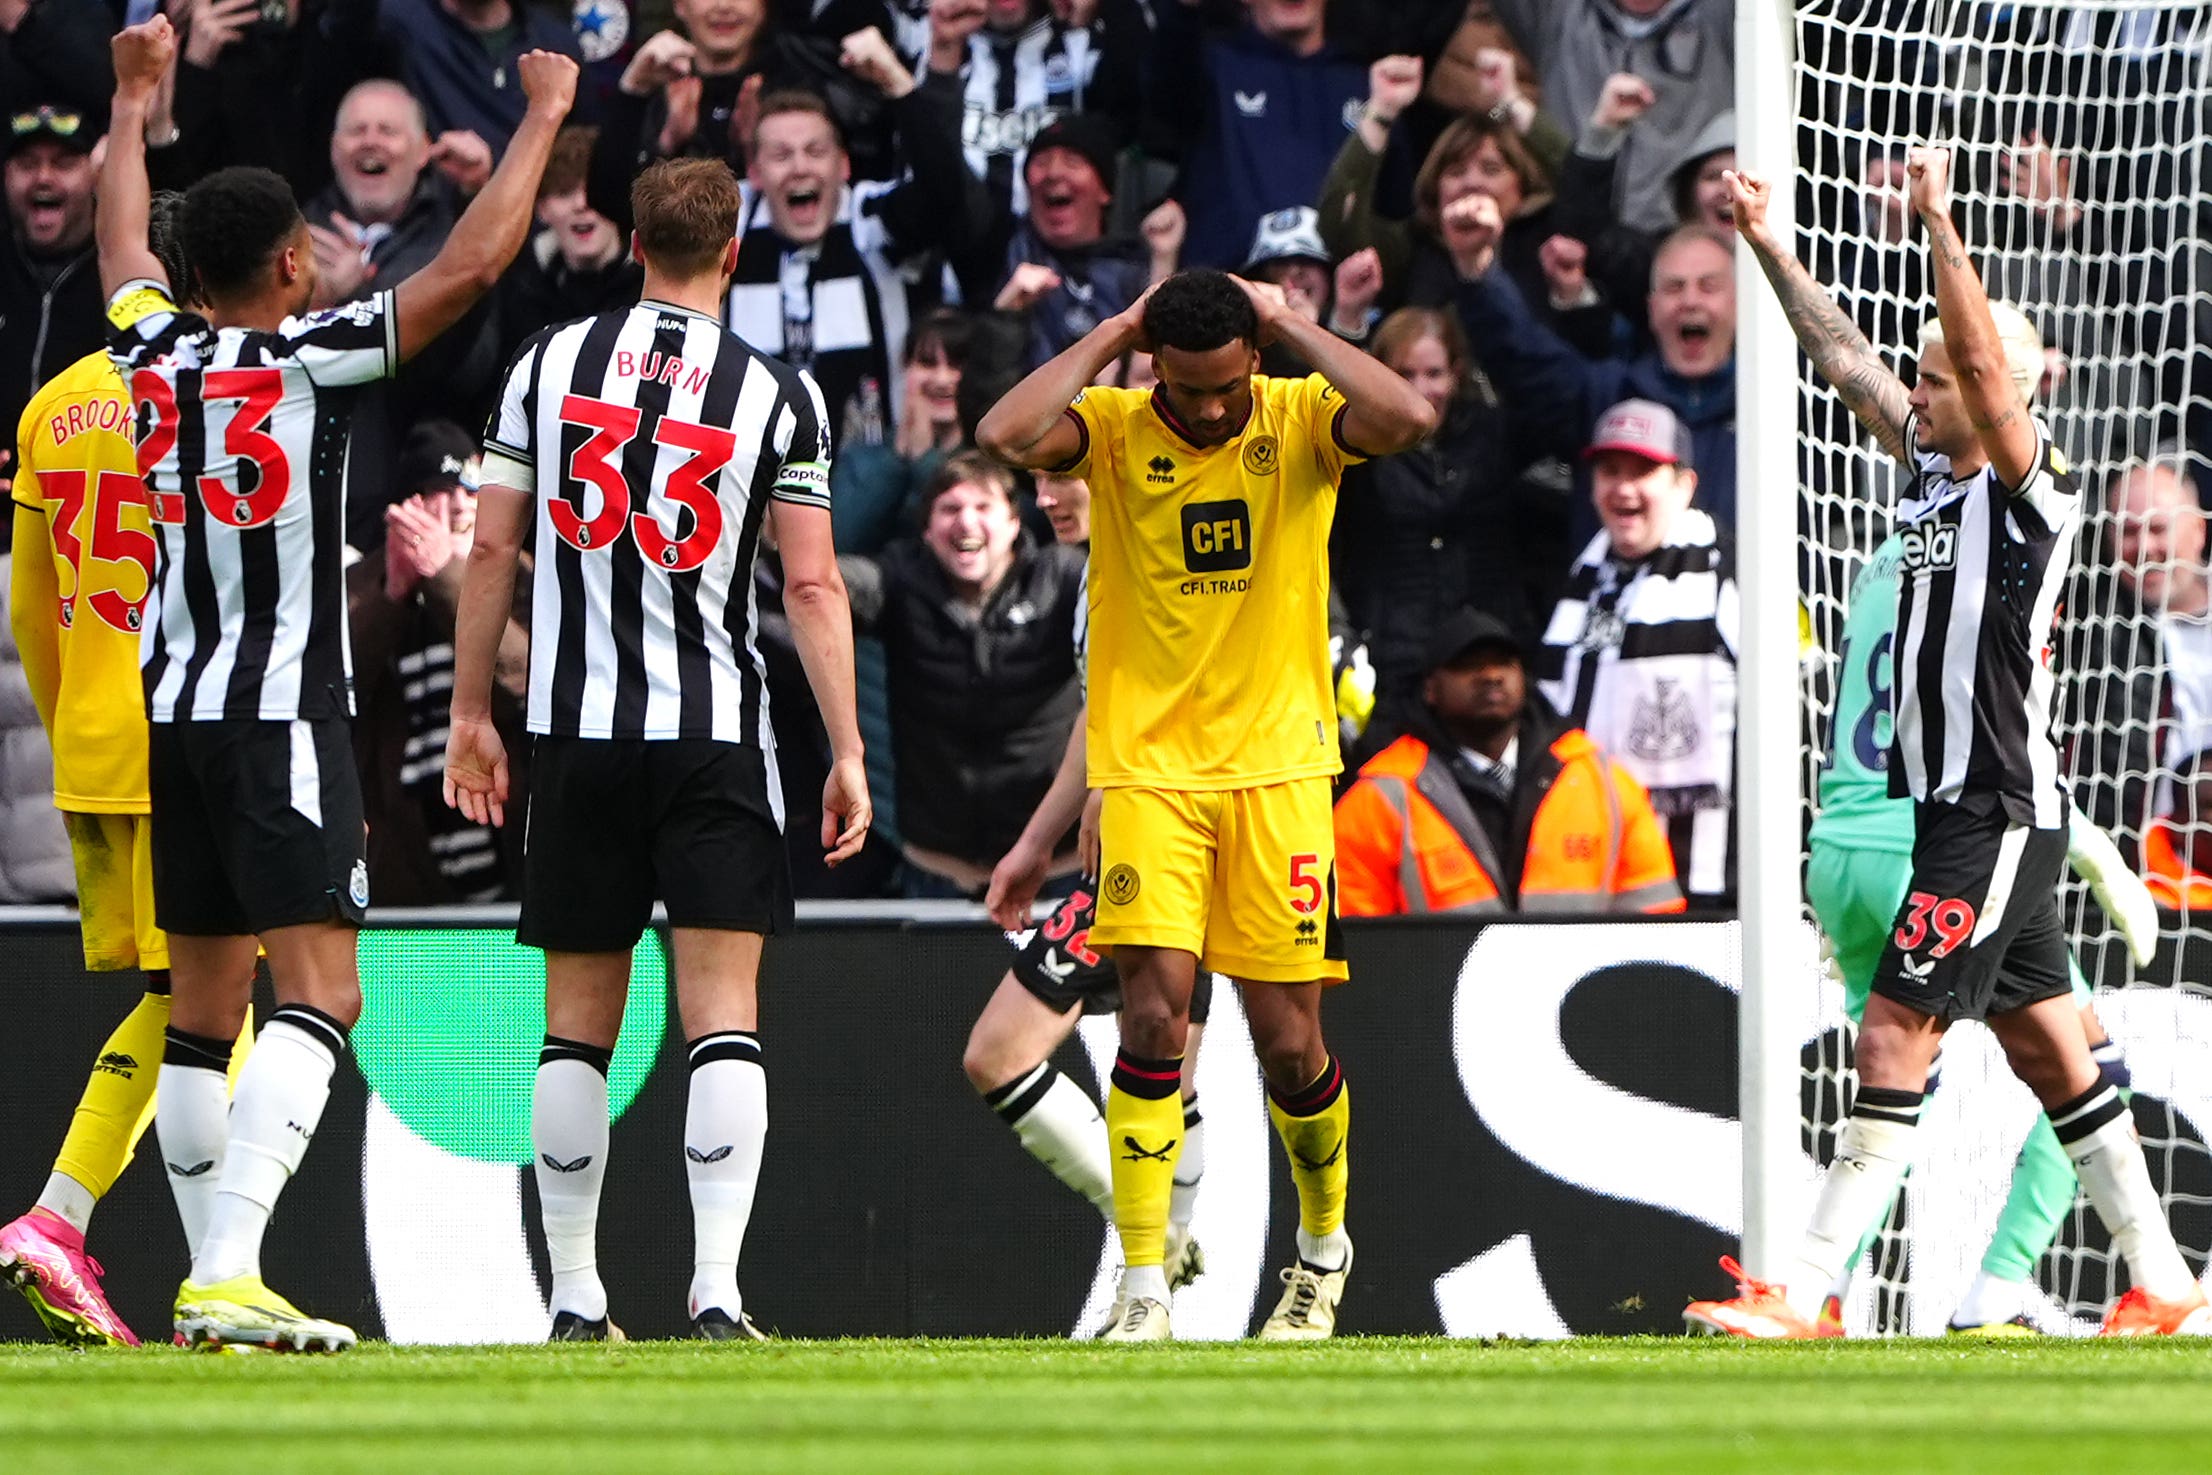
2082,131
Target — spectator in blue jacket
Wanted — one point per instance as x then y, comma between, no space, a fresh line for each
1556,394
459,57
1265,107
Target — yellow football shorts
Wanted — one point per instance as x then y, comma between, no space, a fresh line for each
1244,878
115,891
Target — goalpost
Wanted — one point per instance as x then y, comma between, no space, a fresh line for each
2083,172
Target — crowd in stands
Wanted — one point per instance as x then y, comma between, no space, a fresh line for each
1515,204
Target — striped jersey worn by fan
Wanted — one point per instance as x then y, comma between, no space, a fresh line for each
1981,569
654,440
242,443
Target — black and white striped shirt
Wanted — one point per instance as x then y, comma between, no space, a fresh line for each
655,440
242,443
836,309
1642,655
1978,588
1013,88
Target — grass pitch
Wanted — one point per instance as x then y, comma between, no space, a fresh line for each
1033,1407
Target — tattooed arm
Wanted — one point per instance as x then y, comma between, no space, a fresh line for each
1836,346
1993,402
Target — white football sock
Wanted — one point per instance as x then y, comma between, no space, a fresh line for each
1144,1283
725,1128
280,1100
1324,1251
1059,1126
191,1121
68,1200
1190,1166
2099,1135
568,1137
1989,1301
1872,1153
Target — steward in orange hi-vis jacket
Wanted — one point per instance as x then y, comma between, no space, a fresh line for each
1487,813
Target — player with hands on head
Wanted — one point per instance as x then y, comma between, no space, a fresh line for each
256,806
1984,545
1211,726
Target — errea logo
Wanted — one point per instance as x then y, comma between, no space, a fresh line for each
1160,470
1935,548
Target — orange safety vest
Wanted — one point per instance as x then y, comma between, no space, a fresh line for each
1595,846
2171,882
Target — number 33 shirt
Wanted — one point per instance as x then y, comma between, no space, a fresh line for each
654,440
241,439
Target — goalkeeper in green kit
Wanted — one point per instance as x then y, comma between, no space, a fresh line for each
1862,840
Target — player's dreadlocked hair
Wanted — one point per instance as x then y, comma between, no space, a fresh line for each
167,242
1199,311
232,223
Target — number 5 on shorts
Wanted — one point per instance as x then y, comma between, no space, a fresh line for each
1306,891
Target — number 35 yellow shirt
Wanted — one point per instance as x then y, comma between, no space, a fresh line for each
1209,589
84,561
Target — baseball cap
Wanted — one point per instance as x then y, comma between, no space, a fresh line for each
436,454
1085,136
1288,235
1644,428
70,126
1463,630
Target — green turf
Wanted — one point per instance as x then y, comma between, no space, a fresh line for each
1899,1408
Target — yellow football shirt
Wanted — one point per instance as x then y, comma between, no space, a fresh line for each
1209,589
84,563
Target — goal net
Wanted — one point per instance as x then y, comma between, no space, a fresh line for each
2082,132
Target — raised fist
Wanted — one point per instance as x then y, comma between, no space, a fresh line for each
1928,181
1747,197
1393,83
1472,226
1497,78
1163,231
142,56
952,22
868,55
1624,98
1359,281
549,81
1566,266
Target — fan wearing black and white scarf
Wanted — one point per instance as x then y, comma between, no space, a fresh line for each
819,281
1641,648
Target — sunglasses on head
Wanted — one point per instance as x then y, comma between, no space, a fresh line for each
57,121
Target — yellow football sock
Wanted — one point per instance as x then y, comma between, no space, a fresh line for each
240,1051
118,1101
1314,1124
1144,1133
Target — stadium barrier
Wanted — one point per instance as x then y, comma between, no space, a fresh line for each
1544,1139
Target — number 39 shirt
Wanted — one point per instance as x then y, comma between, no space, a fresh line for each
242,444
654,440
